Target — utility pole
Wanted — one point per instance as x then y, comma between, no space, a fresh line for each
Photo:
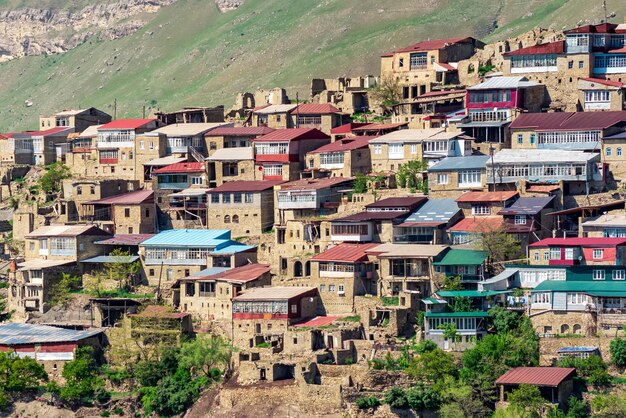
297,111
606,15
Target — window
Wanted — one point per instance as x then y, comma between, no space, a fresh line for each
569,253
215,198
79,190
248,197
576,298
543,297
331,287
481,210
581,64
92,190
227,219
147,212
225,197
597,96
62,246
520,220
197,180
442,179
618,275
532,139
378,149
322,288
536,255
598,275
340,289
598,254
142,145
151,145
396,150
294,309
31,246
570,64
619,152
555,253
130,229
331,158
236,197
401,62
413,148
419,61
235,219
127,212
470,178
520,138
546,256
608,152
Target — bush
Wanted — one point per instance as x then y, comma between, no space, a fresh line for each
396,398
420,399
592,368
367,402
618,351
102,395
105,414
425,346
118,411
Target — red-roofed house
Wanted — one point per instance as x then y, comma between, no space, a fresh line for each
556,384
322,116
128,213
599,94
208,296
233,137
469,230
42,147
244,207
345,157
485,203
280,155
578,251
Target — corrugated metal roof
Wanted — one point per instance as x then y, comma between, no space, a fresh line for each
246,186
528,205
471,293
41,264
188,238
163,161
478,224
232,154
470,162
373,216
66,231
344,144
495,83
347,253
315,109
579,242
610,220
211,271
131,198
460,257
242,131
576,349
542,189
126,239
190,167
407,250
603,82
282,108
233,248
430,45
90,132
434,210
568,121
292,134
17,334
378,127
315,184
347,128
112,259
187,129
126,124
274,293
595,287
192,191
243,274
487,196
550,48
537,376
318,321
531,156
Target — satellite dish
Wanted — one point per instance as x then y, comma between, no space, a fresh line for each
580,258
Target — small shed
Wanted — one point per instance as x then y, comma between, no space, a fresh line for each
555,383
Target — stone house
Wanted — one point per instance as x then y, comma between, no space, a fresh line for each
452,176
434,109
611,224
15,151
321,116
280,155
365,129
429,223
388,152
42,147
597,94
244,207
233,137
485,203
275,116
187,139
230,164
578,251
178,253
345,157
528,218
209,297
129,213
555,384
192,115
49,252
469,265
78,119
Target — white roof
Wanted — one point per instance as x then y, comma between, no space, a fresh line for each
283,108
90,132
232,154
191,192
71,112
41,264
504,83
542,155
187,129
163,161
607,220
407,250
415,135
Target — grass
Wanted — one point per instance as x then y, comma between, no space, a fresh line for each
191,54
390,300
353,318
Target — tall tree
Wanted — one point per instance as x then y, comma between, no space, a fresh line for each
387,93
204,354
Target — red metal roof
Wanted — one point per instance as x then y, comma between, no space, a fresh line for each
379,127
446,66
240,131
403,202
243,274
568,121
347,128
318,321
430,45
193,167
542,189
601,28
604,82
346,253
315,109
315,184
246,186
126,124
557,47
51,131
579,242
478,224
292,134
538,376
486,196
344,144
131,198
374,216
126,239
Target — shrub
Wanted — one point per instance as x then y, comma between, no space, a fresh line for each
420,398
396,398
367,402
425,346
105,414
618,351
118,411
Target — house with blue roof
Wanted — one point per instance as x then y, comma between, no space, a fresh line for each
177,253
454,175
428,223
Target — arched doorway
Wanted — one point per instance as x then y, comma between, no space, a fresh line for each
297,269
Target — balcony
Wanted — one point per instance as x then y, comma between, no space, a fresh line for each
176,261
297,200
172,186
63,251
563,262
108,160
413,239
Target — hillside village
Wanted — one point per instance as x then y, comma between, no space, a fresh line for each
446,238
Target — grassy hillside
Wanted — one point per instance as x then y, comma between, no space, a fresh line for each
191,54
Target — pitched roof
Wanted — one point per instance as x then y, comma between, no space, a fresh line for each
504,83
126,239
603,82
378,127
245,131
274,293
527,205
59,130
614,288
537,376
315,184
245,186
487,196
189,238
478,224
66,231
192,167
90,132
415,135
462,257
430,45
314,109
599,28
568,121
370,216
470,293
538,156
232,154
17,334
346,253
187,129
347,128
242,274
131,198
407,250
292,134
163,161
579,242
470,162
434,211
280,108
557,48
409,202
542,189
126,124
344,144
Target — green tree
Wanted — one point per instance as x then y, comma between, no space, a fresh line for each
60,292
577,408
617,347
432,366
503,319
18,375
459,401
499,245
81,377
360,183
367,402
450,332
396,398
421,398
410,174
527,400
122,270
592,368
52,180
453,283
205,353
387,93
608,406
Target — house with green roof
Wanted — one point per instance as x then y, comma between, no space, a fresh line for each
469,265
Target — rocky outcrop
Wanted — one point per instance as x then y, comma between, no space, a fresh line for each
228,5
34,31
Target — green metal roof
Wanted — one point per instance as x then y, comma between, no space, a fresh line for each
458,257
597,288
478,314
434,301
470,293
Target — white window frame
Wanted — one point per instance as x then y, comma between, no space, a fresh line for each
481,210
598,253
599,275
520,219
619,274
442,178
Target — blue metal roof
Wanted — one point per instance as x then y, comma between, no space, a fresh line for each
435,210
196,238
527,205
112,259
233,248
469,162
211,271
15,334
577,349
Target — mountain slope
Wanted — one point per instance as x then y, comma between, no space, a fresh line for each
191,54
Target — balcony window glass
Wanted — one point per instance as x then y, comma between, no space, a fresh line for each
236,197
598,275
271,148
215,198
248,197
225,197
569,253
555,253
618,275
196,180
470,178
481,210
378,149
62,246
332,158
